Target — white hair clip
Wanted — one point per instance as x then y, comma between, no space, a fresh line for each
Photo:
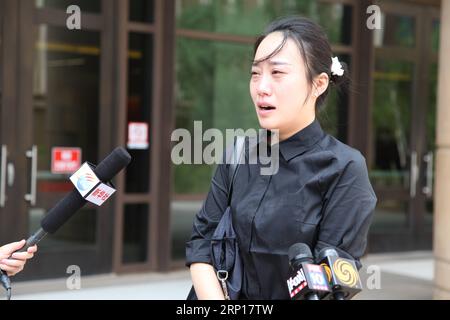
336,67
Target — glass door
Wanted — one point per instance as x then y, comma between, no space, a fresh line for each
402,129
59,103
8,122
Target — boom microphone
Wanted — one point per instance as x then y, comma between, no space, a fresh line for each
72,202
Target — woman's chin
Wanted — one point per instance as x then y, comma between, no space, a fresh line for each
267,124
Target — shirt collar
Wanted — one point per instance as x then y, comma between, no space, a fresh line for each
301,141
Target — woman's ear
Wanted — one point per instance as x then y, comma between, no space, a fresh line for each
321,84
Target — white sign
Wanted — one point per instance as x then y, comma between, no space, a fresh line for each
100,194
84,179
137,135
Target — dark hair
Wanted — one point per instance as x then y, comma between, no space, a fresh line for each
314,48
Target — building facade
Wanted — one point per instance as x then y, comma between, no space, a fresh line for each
166,64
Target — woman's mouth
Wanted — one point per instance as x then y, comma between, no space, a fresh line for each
265,110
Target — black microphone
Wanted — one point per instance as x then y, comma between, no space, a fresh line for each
73,201
342,274
307,280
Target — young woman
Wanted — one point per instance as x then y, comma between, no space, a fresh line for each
321,194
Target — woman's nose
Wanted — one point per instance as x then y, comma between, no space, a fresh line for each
264,86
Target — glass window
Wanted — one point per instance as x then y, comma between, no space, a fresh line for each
390,217
135,233
435,36
142,10
139,106
80,230
396,30
212,87
249,18
92,6
182,216
393,87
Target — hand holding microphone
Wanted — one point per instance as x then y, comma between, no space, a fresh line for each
12,262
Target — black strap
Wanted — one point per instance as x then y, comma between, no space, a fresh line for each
238,151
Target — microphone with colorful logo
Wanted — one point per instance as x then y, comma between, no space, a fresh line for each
342,275
307,280
91,184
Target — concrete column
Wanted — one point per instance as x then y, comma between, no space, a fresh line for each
441,241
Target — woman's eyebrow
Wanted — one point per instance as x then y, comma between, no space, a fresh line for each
272,62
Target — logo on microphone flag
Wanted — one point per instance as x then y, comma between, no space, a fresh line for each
100,194
84,179
90,187
346,272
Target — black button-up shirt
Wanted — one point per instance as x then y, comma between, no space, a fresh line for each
321,196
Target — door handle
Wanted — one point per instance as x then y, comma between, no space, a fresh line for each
32,154
414,174
11,174
3,159
428,189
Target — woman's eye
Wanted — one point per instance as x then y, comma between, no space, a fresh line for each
277,72
254,73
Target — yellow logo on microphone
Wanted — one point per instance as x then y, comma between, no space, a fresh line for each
327,270
345,272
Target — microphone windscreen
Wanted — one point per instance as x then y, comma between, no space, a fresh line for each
72,202
112,164
327,252
300,252
62,211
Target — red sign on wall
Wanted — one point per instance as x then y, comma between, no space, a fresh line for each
65,160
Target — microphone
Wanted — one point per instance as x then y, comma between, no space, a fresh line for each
72,202
342,274
307,280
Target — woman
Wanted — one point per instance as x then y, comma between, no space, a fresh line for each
11,262
321,194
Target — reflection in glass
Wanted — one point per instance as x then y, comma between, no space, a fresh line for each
251,17
142,10
392,122
135,233
66,64
431,138
435,36
182,215
212,87
396,30
140,72
390,217
93,6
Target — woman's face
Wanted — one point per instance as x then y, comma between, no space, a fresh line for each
279,86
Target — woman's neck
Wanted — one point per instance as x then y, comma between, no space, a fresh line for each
305,121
